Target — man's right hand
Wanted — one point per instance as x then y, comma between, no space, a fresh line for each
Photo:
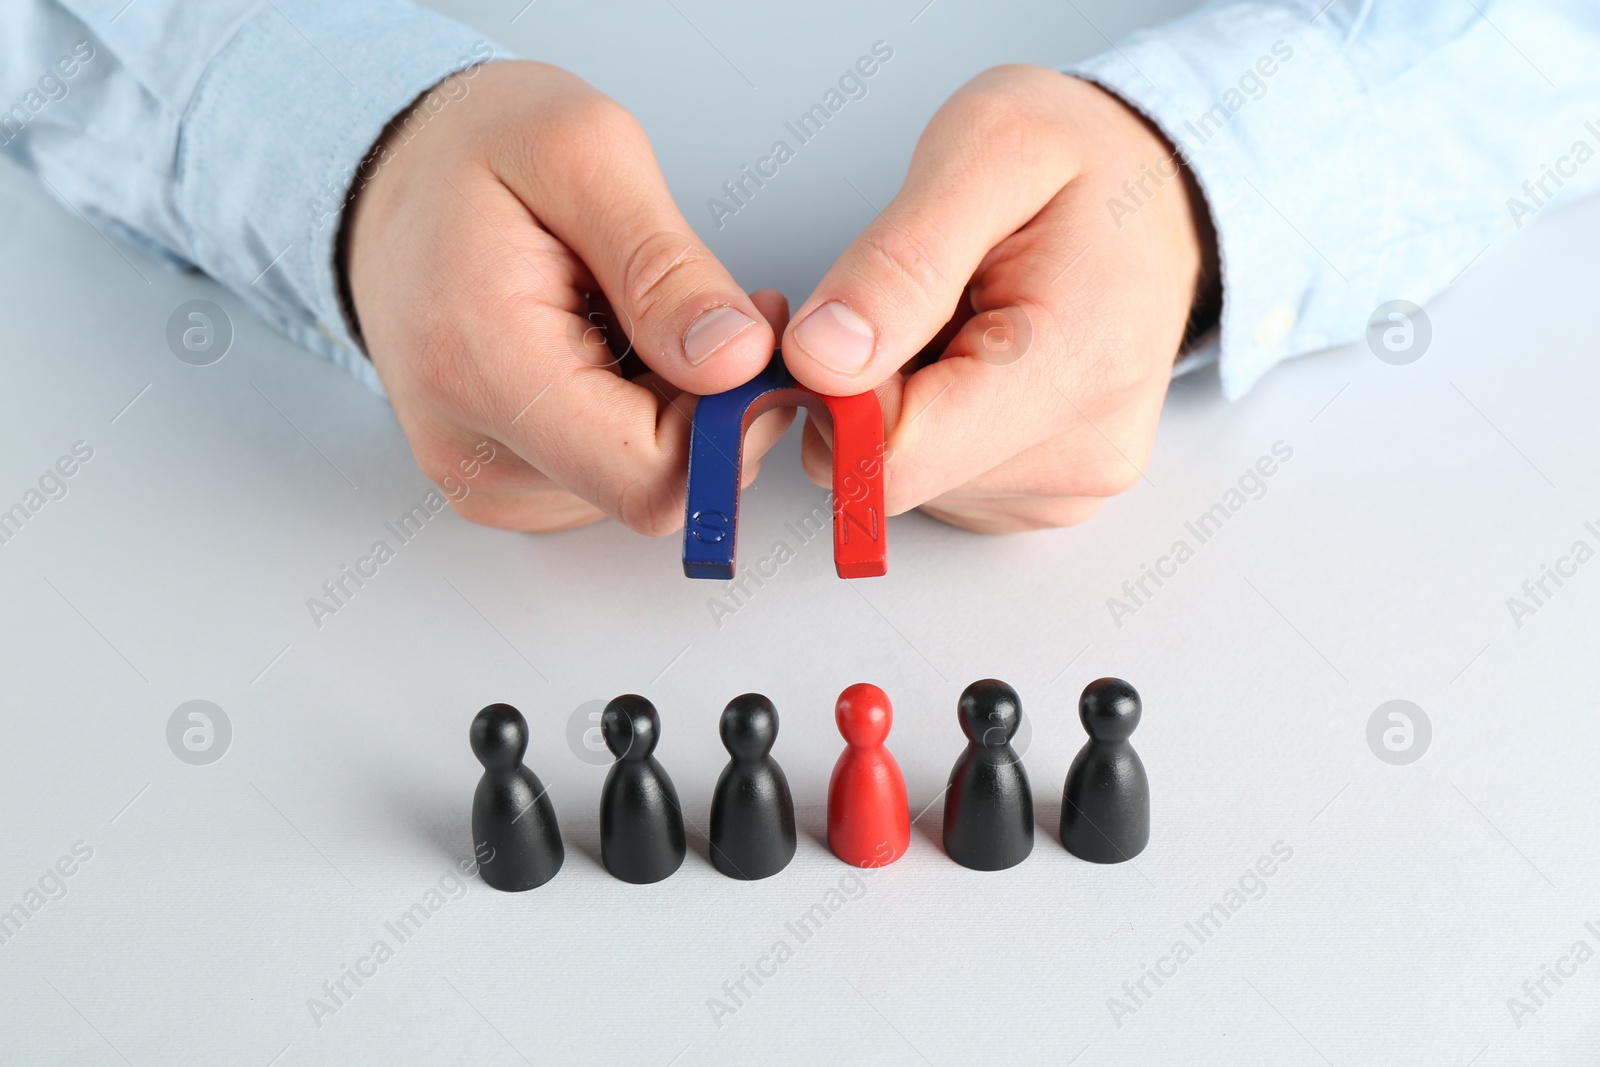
472,254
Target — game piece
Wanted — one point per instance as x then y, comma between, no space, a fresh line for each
641,823
988,805
752,812
514,834
711,522
869,821
1105,810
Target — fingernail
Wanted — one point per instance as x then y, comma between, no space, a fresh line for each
837,338
713,330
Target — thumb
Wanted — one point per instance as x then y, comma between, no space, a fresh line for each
980,172
688,319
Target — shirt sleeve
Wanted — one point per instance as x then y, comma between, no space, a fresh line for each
1359,151
225,135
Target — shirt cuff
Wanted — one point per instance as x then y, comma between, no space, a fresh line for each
279,125
1192,78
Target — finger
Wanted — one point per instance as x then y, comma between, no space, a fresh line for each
816,454
764,432
639,481
950,441
981,170
769,427
531,510
607,200
774,307
1061,482
620,445
488,483
1009,515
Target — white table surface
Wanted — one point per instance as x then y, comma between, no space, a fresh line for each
218,899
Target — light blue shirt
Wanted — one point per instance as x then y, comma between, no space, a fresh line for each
1361,151
1351,154
223,134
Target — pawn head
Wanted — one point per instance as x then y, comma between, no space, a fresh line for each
864,715
990,712
499,737
631,727
1110,709
749,726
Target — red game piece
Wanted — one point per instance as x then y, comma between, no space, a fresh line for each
869,822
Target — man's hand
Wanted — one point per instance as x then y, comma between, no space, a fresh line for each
1057,323
473,254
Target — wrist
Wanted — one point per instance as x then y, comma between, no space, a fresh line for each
370,202
1144,170
1205,307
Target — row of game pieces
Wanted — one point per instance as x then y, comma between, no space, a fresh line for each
988,812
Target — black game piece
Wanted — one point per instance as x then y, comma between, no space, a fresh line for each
1105,810
514,832
752,811
988,806
641,823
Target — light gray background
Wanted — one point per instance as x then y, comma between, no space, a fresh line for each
219,898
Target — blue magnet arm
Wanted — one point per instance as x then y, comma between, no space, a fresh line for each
711,522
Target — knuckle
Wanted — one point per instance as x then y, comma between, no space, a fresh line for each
1106,479
905,259
965,518
992,107
437,373
649,508
481,509
1109,370
1115,374
541,511
589,133
1060,513
590,120
440,365
1014,77
1000,111
1023,517
437,456
655,273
